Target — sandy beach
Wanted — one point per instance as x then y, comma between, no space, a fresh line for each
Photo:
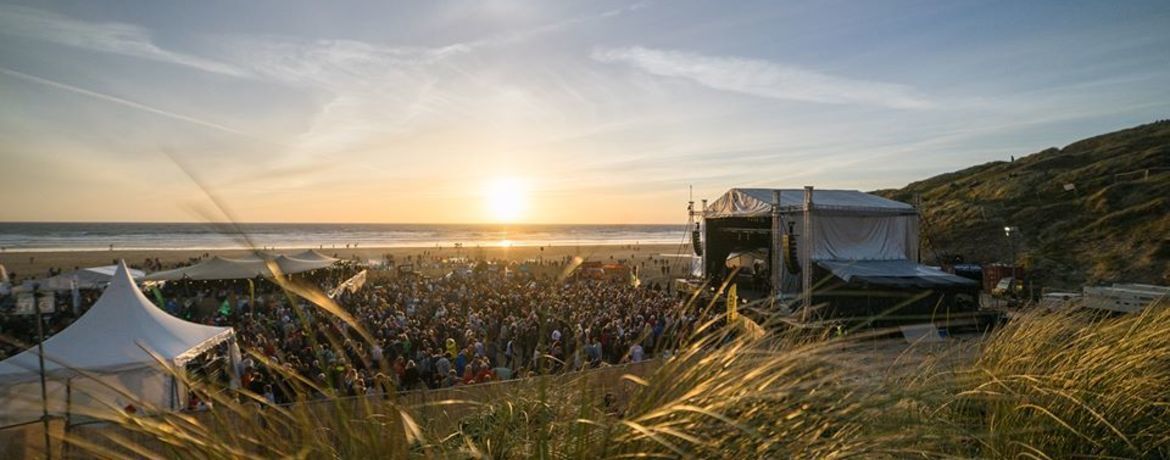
24,265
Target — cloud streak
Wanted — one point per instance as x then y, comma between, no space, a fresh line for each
128,103
110,37
763,78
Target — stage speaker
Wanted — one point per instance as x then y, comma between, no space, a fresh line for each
790,260
697,242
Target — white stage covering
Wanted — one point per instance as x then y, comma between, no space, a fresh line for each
855,235
757,202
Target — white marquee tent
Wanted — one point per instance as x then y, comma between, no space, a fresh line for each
315,256
215,268
86,278
101,362
223,268
289,265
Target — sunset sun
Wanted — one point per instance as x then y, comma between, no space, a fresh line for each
506,199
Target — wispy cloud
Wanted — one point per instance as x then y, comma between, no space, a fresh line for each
108,37
764,78
372,91
128,103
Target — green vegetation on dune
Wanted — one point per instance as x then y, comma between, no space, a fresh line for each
1114,225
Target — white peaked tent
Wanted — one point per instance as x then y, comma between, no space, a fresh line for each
101,361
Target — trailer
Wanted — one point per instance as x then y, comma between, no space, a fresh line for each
1124,297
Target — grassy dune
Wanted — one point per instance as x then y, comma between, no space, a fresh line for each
1048,385
1113,226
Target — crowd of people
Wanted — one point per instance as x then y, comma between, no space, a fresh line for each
467,327
466,323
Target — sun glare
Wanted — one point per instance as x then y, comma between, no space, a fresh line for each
506,199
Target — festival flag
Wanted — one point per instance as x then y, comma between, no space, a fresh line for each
732,303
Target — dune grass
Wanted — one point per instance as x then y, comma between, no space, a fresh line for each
1047,385
1074,384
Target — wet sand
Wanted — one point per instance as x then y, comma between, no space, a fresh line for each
37,264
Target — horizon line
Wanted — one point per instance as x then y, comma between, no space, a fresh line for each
318,223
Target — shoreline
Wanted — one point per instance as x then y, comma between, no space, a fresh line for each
432,245
29,264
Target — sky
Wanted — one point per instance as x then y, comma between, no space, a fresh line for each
544,112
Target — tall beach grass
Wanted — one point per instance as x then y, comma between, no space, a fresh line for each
1047,385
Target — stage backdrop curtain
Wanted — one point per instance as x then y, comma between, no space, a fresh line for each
845,237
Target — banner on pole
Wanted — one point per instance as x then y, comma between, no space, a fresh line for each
350,285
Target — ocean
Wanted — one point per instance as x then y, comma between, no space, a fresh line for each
78,236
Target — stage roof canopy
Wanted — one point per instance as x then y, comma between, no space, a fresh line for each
757,202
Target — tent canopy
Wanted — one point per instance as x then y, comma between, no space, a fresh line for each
289,265
757,202
223,268
894,273
87,278
314,256
215,268
114,336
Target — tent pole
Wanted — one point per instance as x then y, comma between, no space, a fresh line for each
68,400
703,238
41,363
68,415
918,220
777,267
806,277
